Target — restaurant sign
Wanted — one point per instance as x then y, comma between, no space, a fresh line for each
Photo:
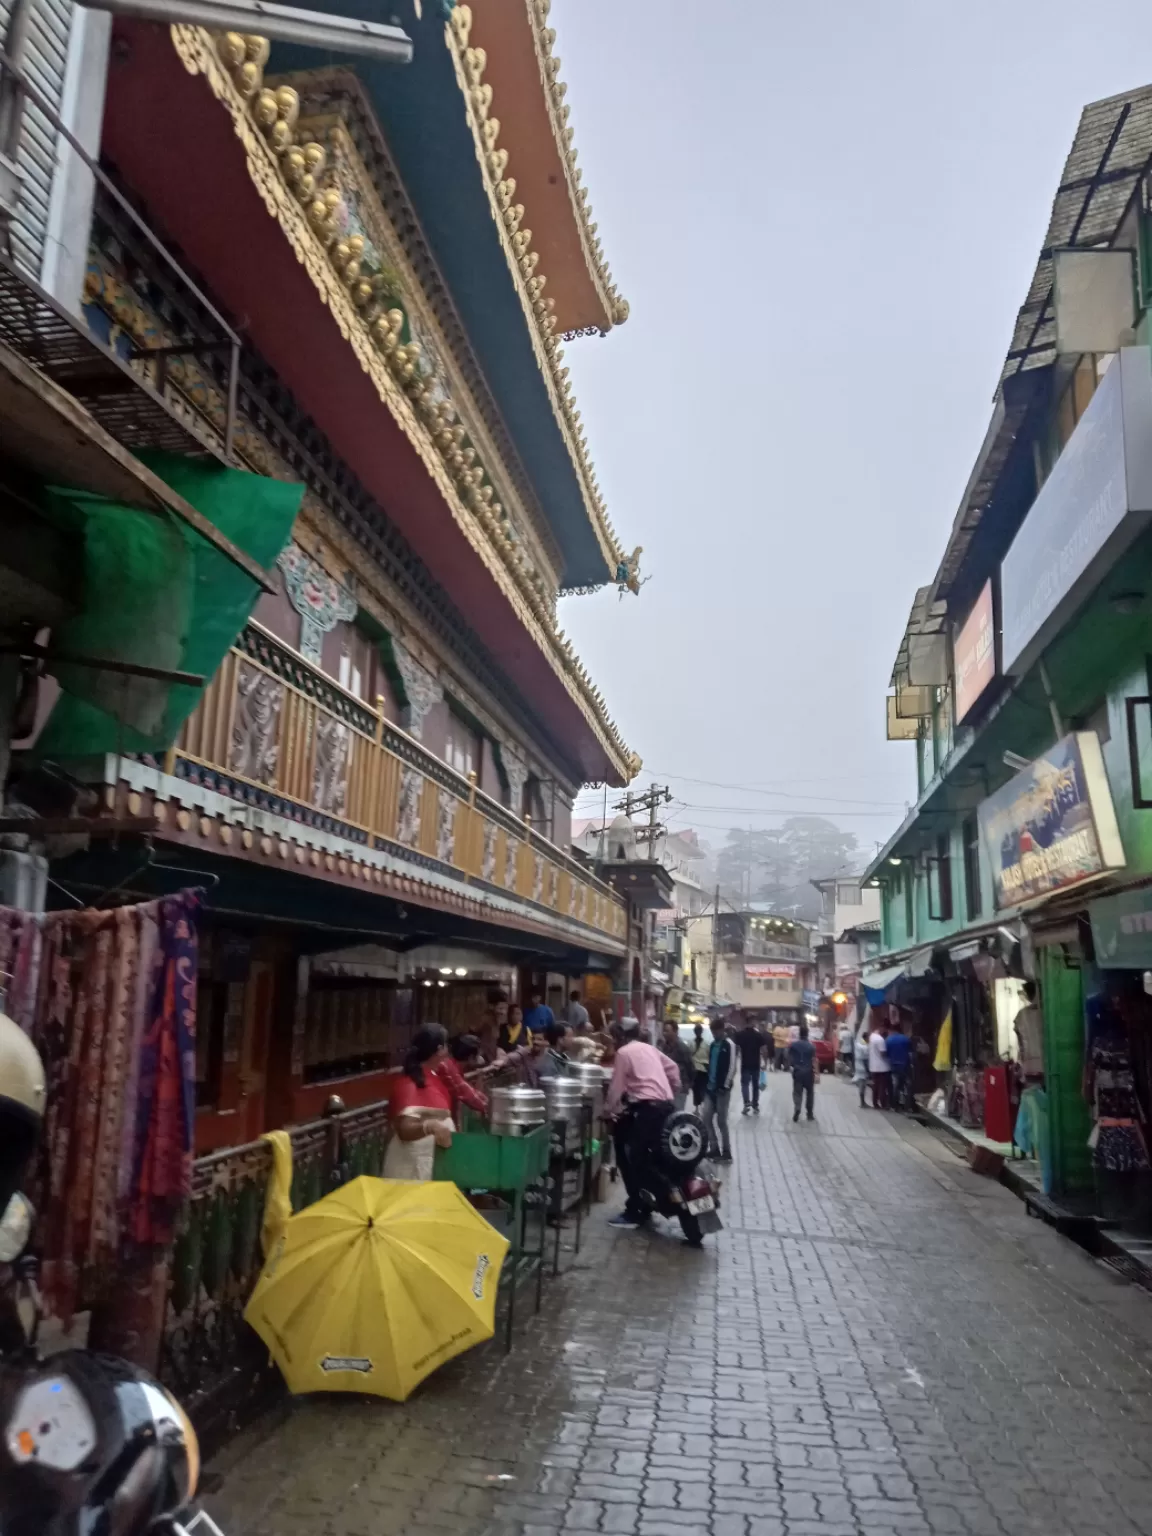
1053,825
1122,930
974,654
764,972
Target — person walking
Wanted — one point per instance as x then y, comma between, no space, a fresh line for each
802,1060
639,1100
879,1068
780,1035
860,1063
899,1049
750,1043
700,1052
723,1062
676,1051
845,1042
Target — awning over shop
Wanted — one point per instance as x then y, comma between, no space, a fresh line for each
876,983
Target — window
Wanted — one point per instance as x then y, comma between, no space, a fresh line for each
909,903
356,670
941,866
971,836
534,805
461,745
848,894
211,1012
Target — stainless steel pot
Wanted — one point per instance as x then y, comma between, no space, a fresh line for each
516,1110
565,1097
593,1080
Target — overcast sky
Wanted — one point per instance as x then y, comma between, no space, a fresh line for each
825,216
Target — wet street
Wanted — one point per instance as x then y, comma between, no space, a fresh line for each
880,1342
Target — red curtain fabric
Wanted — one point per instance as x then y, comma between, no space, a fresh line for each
110,1000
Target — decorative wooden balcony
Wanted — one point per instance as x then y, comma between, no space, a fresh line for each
279,735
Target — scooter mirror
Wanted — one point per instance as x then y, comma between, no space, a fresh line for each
15,1227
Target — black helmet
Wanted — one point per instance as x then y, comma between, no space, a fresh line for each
22,1093
91,1443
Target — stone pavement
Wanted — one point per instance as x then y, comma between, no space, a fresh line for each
880,1342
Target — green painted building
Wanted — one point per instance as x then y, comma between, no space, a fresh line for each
1022,680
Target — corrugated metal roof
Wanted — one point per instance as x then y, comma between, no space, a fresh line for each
1111,152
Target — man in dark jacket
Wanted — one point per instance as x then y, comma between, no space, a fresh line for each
750,1043
802,1060
674,1048
723,1061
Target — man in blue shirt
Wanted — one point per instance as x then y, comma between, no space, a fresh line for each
900,1061
802,1060
537,1016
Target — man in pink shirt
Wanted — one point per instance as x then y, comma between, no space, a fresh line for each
640,1098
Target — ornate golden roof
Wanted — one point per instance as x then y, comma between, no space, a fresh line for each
535,129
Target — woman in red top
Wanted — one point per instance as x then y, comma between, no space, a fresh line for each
464,1054
421,1107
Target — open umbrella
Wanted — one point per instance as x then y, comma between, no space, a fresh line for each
373,1287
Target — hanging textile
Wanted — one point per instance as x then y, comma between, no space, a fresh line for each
1117,1137
109,998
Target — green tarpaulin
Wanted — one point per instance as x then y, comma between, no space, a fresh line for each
156,594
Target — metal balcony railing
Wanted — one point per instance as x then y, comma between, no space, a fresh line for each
111,383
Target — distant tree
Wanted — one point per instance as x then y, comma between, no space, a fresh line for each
778,864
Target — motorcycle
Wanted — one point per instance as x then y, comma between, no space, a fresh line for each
90,1445
678,1183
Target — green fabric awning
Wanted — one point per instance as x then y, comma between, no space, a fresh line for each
157,594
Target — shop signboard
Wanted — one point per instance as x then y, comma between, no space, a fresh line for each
1122,930
974,654
1092,506
1053,825
764,972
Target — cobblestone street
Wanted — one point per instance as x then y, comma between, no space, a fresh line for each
879,1342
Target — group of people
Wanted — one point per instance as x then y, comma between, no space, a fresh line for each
440,1074
880,1057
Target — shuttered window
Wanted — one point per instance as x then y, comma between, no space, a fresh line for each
47,49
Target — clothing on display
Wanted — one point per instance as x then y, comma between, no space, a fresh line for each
1117,1139
109,999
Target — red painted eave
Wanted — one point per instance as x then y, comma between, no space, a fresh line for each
174,146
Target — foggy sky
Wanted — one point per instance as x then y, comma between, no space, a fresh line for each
825,216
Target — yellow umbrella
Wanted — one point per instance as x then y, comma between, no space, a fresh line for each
373,1287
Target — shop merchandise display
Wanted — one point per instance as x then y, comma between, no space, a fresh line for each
1117,1139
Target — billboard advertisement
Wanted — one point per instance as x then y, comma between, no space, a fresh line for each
765,971
974,653
1053,825
1093,504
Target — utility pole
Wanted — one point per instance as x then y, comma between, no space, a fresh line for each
715,939
653,797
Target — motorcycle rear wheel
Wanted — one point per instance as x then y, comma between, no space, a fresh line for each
690,1226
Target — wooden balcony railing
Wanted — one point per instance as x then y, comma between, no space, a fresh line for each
283,736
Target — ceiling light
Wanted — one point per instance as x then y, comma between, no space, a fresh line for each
1017,763
461,970
445,970
894,861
